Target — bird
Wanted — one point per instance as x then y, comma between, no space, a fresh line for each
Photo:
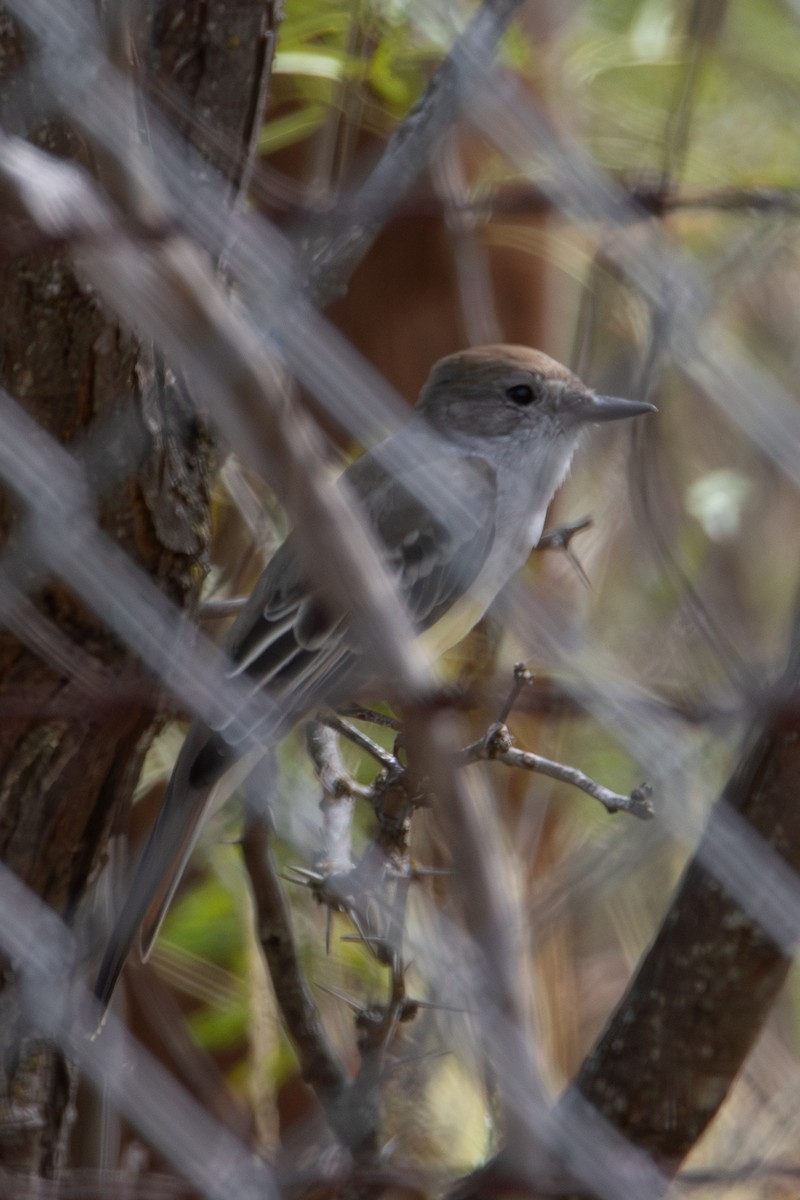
456,499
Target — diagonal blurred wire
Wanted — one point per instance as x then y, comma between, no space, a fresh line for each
338,245
62,532
479,964
671,282
520,128
273,286
168,291
515,123
41,949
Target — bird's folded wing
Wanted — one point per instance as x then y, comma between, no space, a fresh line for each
436,524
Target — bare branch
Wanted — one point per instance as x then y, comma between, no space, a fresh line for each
339,792
360,739
320,1065
498,746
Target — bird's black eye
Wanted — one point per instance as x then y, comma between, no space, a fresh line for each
521,393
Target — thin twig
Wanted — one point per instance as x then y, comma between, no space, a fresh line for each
321,1066
560,538
358,712
522,678
376,1028
498,746
523,198
362,740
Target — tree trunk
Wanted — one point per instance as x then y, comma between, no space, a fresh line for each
78,710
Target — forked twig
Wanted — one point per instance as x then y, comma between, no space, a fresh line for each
498,746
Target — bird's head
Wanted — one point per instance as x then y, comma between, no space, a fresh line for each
514,394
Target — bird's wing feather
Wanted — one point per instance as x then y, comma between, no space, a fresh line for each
288,636
436,552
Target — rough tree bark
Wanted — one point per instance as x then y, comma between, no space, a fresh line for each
700,997
75,730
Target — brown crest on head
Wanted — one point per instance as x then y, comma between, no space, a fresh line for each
481,363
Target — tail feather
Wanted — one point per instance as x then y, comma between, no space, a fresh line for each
163,860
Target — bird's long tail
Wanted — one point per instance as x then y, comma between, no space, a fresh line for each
165,855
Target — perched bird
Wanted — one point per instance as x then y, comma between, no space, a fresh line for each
457,500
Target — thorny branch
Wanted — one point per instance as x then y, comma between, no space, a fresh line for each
352,1107
319,1062
373,889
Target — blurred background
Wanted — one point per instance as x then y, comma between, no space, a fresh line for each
626,200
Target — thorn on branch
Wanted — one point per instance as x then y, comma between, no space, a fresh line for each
327,887
561,537
375,943
430,872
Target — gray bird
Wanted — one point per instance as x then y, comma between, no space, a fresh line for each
457,500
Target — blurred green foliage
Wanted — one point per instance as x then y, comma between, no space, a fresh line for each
380,53
328,51
631,66
621,70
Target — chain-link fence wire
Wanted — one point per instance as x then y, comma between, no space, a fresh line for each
142,234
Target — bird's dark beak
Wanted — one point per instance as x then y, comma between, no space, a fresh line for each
612,408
